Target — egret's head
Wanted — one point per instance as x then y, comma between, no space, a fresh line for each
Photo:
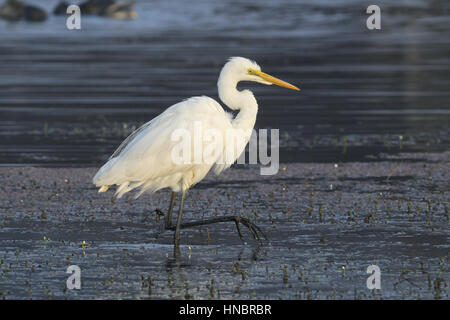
242,69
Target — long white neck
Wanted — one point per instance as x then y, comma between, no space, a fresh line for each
238,100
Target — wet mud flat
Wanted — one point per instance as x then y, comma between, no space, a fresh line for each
326,223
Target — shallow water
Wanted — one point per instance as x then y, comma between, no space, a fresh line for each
363,92
375,103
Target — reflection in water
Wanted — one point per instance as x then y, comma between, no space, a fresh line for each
175,274
179,266
71,97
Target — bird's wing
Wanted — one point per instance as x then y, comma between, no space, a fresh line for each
147,153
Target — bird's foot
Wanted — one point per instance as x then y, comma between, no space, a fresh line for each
256,232
253,228
158,212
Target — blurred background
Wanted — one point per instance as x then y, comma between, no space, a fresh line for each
68,97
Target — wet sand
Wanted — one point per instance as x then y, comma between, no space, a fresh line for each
326,223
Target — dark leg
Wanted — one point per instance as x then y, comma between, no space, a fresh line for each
254,229
178,227
168,220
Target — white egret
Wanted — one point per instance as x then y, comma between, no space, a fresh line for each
145,159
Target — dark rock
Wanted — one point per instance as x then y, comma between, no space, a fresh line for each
14,10
61,8
34,14
120,11
95,6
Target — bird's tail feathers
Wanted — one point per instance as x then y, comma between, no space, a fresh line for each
103,189
122,189
106,175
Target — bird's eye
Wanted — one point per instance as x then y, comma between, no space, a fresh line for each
252,71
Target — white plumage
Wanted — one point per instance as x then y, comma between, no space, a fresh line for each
144,160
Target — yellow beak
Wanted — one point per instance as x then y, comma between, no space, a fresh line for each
272,80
